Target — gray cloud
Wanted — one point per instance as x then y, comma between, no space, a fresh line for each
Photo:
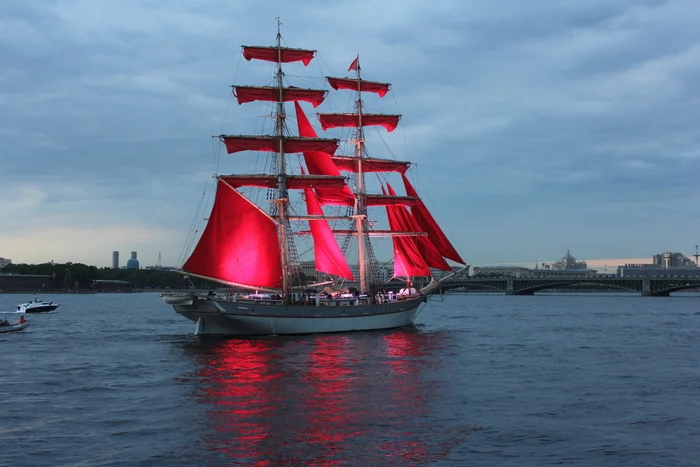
532,125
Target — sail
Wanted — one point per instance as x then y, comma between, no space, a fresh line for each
388,200
428,224
294,182
353,84
275,54
407,259
239,243
370,164
427,250
320,163
246,94
328,257
272,144
389,122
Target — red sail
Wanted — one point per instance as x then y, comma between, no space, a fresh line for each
427,250
294,182
271,144
428,224
246,94
272,54
260,181
389,122
320,163
385,200
239,243
349,164
407,260
328,257
352,85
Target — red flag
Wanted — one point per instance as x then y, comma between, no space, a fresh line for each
355,63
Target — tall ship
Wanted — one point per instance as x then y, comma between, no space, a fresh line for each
253,248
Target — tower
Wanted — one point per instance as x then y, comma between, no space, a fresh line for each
115,260
133,263
696,255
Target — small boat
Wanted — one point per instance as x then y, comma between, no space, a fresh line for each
36,306
5,326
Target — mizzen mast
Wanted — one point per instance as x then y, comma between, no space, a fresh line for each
359,120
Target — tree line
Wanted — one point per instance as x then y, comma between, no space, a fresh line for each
78,275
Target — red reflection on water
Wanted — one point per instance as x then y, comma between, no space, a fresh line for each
237,376
331,400
353,399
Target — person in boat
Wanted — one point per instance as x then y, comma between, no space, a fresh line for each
4,322
21,319
407,291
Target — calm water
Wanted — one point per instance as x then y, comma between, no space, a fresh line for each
481,380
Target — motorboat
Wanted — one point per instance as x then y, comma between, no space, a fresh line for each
5,326
36,306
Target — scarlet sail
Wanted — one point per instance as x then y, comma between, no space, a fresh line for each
361,85
427,250
239,243
281,54
246,94
369,164
389,122
328,256
272,144
387,200
428,224
294,182
407,260
320,163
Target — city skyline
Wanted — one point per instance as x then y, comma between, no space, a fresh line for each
534,127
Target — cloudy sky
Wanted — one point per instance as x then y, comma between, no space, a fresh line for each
533,125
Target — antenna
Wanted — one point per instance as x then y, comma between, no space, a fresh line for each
696,255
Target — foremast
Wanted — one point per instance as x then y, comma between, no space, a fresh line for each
282,195
242,244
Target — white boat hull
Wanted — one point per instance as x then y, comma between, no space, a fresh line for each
36,307
13,327
226,318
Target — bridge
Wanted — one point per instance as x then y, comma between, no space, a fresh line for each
648,287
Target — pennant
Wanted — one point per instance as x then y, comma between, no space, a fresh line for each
355,63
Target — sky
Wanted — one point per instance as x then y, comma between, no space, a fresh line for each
533,126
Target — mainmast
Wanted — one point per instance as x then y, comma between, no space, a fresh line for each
282,198
361,209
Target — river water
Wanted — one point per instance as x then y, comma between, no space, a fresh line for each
481,380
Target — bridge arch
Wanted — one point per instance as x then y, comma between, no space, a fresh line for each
554,285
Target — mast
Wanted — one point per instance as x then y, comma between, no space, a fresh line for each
361,211
282,197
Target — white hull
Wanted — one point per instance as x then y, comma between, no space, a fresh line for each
215,316
13,327
36,307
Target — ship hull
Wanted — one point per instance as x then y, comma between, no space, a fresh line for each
226,318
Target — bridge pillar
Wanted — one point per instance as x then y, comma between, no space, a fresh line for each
510,288
646,288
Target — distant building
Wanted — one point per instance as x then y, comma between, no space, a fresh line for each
115,260
673,260
666,264
133,263
568,261
4,262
